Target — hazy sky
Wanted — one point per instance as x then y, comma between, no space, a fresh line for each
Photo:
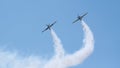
21,23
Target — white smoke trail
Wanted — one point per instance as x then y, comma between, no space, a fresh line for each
13,60
57,45
79,56
55,62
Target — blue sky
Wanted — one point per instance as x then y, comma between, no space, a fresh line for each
21,23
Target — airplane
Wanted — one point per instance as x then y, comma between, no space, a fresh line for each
80,17
49,26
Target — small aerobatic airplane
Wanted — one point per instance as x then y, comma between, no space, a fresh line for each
80,17
49,26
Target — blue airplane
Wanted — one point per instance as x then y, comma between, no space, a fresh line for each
80,17
49,26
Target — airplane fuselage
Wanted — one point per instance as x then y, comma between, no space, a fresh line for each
49,27
80,18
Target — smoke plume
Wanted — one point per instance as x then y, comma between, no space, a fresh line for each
80,55
59,51
59,60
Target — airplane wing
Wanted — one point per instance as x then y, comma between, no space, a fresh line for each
75,20
84,15
45,29
52,24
